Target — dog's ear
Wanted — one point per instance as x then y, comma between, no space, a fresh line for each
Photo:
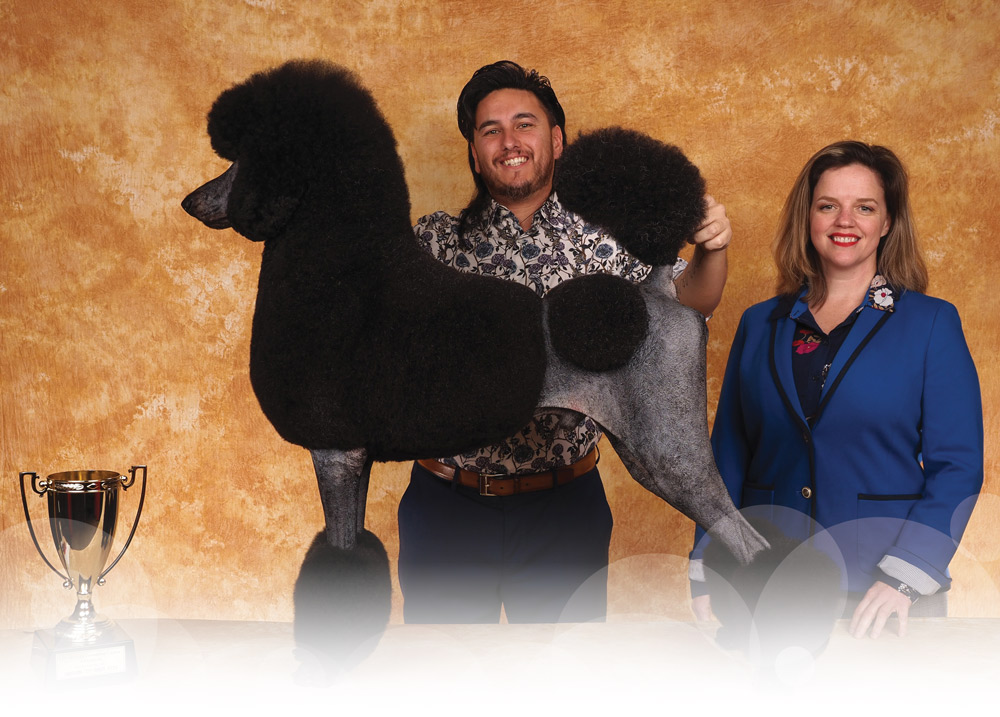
645,193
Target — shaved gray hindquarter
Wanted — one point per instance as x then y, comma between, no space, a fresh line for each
655,415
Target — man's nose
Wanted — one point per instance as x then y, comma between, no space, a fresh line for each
509,139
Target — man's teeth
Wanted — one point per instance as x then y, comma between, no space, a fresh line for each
514,161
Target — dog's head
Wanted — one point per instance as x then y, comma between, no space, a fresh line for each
307,143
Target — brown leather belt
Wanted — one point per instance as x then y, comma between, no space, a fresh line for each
506,484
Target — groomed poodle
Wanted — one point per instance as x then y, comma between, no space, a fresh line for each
364,348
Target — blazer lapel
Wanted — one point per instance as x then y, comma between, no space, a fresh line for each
867,324
782,334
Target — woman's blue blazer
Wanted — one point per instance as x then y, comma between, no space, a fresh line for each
893,460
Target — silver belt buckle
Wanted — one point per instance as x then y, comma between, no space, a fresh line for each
484,484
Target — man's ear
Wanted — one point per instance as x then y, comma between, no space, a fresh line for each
557,142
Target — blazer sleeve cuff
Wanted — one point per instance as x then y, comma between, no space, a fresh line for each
696,570
910,574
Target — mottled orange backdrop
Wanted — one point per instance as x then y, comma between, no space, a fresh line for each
124,324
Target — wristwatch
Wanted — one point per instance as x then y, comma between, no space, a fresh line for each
907,590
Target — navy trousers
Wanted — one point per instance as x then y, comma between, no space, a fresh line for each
543,556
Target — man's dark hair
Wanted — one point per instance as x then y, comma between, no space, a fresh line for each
501,75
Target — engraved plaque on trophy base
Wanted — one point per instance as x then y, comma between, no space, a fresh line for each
110,659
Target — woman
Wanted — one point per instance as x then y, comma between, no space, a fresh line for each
851,397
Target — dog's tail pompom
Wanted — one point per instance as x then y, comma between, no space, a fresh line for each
645,193
617,321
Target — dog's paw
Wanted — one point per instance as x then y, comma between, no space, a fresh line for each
788,598
643,192
342,604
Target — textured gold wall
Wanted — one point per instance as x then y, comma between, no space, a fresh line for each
124,324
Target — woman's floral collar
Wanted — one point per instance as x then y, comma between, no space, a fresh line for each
881,296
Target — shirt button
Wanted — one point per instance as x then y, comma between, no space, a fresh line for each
807,492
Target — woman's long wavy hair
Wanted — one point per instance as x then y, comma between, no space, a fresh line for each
899,259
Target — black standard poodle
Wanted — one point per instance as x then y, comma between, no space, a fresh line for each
365,348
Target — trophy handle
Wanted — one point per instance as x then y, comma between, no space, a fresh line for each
27,517
126,484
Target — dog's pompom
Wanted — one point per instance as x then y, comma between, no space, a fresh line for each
788,597
342,602
645,193
617,321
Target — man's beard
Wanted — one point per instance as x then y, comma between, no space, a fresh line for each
522,190
516,192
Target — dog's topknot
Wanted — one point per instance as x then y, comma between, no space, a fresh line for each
645,193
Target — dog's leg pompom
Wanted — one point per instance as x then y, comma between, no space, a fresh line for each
787,599
342,604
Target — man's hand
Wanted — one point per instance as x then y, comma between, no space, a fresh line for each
716,232
701,284
880,602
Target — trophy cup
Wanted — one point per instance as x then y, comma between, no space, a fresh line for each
83,515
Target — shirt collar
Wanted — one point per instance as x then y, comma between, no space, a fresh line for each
550,213
881,297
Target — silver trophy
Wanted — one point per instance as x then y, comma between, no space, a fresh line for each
83,516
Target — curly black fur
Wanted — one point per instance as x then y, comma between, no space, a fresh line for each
616,321
342,600
789,596
360,338
645,193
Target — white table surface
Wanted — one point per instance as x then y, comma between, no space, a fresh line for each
623,668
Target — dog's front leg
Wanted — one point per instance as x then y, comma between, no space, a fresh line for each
343,594
343,489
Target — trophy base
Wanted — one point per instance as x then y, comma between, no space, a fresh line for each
66,663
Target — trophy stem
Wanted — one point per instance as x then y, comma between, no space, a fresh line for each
84,625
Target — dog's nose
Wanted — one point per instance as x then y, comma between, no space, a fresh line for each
209,203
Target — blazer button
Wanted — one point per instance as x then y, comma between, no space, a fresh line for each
807,492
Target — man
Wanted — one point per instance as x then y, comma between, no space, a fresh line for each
524,524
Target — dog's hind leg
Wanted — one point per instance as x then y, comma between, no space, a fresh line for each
654,413
343,594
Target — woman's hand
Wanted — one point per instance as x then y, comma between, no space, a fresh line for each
875,608
701,606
